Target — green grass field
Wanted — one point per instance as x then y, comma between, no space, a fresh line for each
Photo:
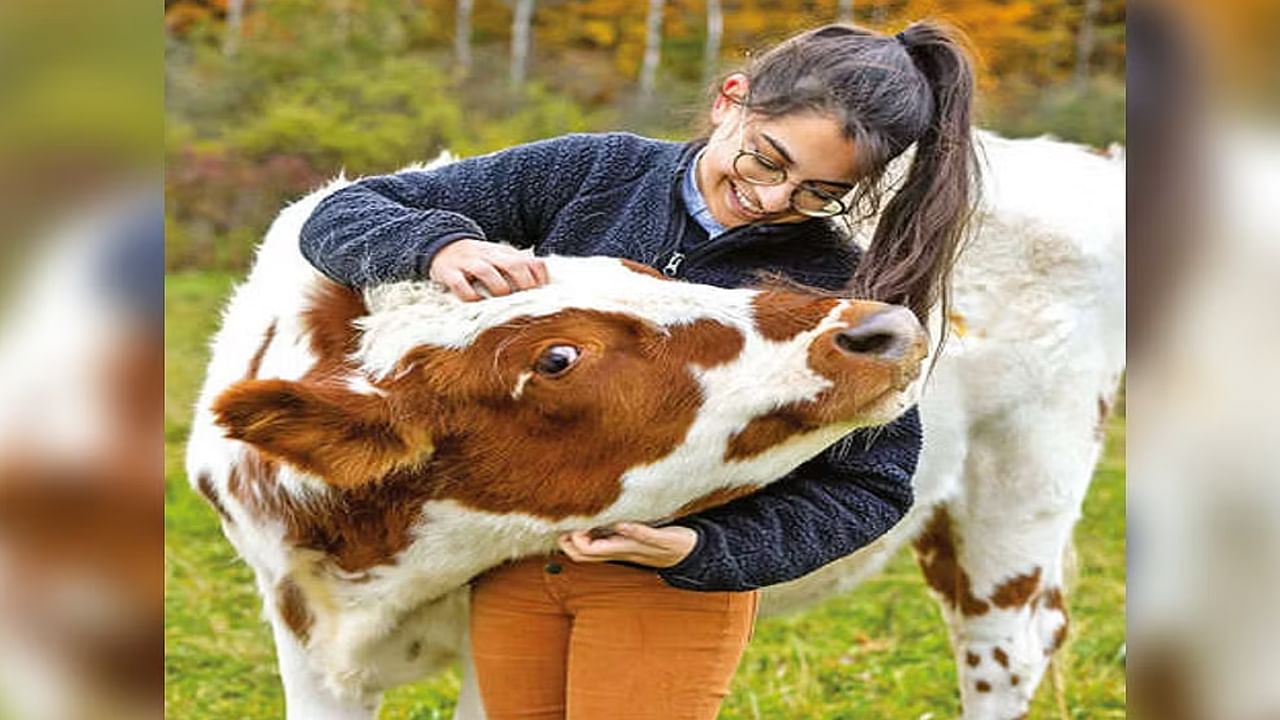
880,652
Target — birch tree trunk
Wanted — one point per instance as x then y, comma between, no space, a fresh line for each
462,38
521,26
844,14
652,48
715,32
343,24
1085,41
235,20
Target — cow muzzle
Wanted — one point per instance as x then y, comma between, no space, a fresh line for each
892,334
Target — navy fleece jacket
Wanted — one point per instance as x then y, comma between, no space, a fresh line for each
619,194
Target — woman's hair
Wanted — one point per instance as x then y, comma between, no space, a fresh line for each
889,92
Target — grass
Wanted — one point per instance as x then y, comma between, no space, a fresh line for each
879,652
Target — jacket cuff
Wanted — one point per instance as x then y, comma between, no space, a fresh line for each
424,254
678,575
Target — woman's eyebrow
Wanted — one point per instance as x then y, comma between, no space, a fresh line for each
777,146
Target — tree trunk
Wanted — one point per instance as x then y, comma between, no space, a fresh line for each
1085,41
462,38
844,13
235,19
652,48
343,23
521,26
715,31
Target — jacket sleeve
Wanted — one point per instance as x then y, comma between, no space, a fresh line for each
389,227
827,508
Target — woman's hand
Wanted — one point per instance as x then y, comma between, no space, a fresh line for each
656,547
501,269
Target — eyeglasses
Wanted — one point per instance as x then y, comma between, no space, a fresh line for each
756,169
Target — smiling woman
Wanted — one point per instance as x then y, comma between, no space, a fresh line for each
802,135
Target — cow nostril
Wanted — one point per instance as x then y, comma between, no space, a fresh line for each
876,343
887,334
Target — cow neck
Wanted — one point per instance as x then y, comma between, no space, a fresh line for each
679,254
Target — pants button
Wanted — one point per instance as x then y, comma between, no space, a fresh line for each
553,568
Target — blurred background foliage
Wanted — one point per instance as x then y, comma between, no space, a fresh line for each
268,98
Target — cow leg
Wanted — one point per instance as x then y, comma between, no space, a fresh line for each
994,555
306,696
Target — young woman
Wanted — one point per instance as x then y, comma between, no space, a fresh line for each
802,137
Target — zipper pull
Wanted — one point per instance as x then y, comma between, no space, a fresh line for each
673,265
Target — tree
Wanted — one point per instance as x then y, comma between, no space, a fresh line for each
462,37
1084,40
845,12
715,32
521,25
231,34
652,47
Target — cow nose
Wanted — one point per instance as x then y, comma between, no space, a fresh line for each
888,334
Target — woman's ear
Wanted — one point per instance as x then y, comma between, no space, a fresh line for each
733,91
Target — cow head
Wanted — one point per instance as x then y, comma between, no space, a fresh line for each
553,401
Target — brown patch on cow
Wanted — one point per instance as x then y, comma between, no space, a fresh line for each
715,498
983,686
1017,590
293,609
972,659
860,382
643,269
255,362
347,438
705,343
1060,635
205,484
781,316
936,553
357,528
329,320
1053,599
1014,679
768,431
1000,657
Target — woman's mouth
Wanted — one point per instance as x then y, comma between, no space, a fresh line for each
743,205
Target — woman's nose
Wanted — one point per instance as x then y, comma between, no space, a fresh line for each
774,198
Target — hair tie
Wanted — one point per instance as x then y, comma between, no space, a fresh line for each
902,37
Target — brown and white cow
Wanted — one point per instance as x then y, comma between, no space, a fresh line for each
369,453
342,406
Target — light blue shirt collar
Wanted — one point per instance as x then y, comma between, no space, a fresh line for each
695,203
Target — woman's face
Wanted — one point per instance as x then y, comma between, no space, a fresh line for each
810,147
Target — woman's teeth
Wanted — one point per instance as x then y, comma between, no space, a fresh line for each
745,201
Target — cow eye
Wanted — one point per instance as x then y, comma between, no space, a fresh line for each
556,359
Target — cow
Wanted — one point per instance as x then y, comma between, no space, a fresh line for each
371,452
322,404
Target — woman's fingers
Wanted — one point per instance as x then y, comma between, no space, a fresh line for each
458,283
489,276
501,269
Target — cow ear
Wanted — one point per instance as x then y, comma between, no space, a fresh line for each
346,438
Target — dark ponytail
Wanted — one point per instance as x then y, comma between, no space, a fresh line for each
890,92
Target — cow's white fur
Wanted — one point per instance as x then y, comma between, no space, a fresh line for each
1009,418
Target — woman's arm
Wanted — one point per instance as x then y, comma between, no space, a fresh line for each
824,510
390,227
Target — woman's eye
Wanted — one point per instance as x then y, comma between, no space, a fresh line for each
556,359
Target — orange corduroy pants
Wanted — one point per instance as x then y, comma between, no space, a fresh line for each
557,640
